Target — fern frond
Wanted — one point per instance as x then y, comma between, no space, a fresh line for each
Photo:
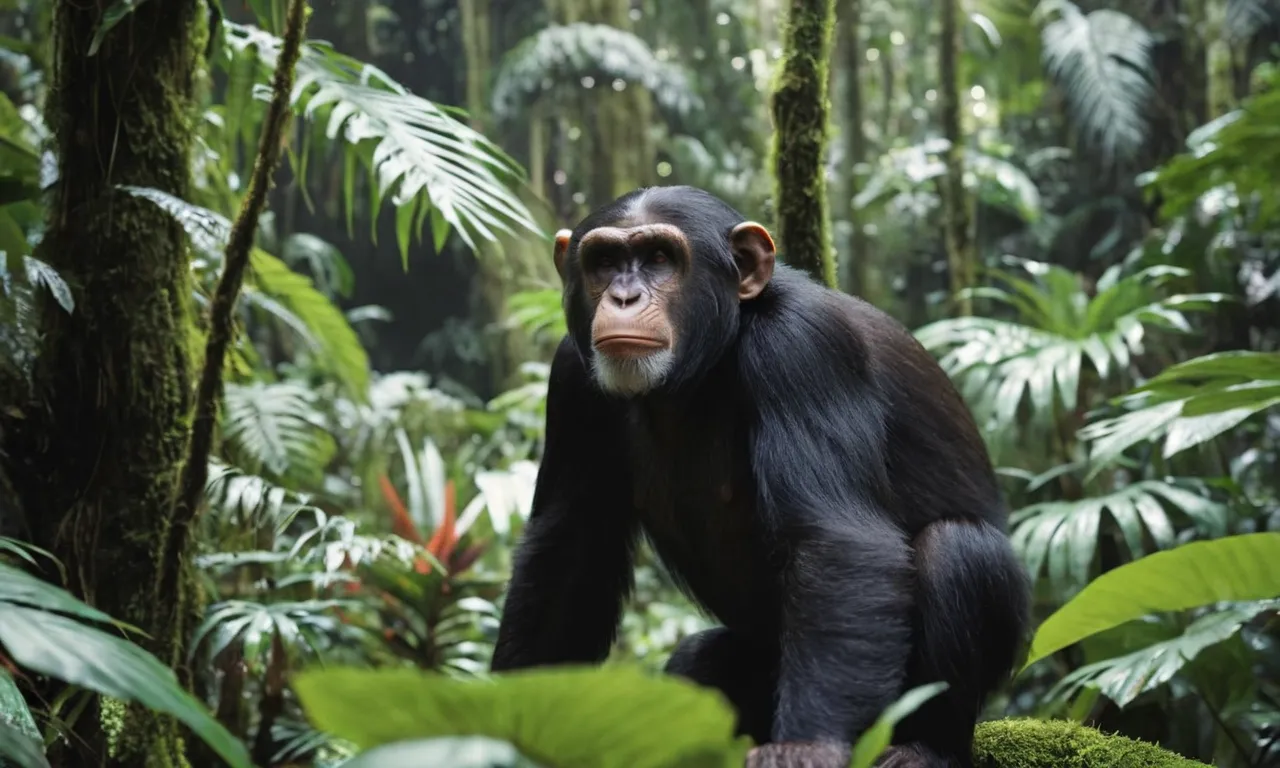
427,162
276,428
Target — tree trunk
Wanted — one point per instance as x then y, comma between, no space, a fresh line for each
800,114
97,452
959,243
849,17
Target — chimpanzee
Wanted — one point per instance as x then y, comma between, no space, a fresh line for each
802,466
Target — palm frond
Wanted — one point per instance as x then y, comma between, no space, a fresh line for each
998,362
247,501
1124,678
1102,62
430,164
573,53
275,427
1189,404
1061,537
299,626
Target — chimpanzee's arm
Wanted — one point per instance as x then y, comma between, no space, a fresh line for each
573,567
818,442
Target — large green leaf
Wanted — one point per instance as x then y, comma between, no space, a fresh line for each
18,586
609,716
325,328
19,738
55,645
1234,568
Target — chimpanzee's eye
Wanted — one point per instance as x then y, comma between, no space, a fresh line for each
659,258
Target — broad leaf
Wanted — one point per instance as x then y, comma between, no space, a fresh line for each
610,716
1060,333
52,644
20,739
326,331
17,586
1235,568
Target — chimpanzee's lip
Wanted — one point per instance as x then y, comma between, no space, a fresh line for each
625,344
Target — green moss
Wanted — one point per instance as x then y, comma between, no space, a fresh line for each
801,111
1028,743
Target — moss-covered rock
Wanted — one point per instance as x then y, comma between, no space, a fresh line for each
1027,743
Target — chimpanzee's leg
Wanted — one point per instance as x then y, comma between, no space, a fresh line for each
743,670
970,621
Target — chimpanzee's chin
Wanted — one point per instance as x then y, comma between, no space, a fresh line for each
633,375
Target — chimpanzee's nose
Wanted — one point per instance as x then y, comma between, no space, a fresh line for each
624,296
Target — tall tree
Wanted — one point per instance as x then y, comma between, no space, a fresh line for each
800,115
849,18
956,212
98,446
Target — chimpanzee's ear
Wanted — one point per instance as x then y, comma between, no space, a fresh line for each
753,250
562,249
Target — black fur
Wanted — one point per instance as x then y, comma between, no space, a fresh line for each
809,475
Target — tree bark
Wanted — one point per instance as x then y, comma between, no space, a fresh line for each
96,452
849,17
800,114
956,213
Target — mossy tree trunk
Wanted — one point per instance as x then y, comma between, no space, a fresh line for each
99,448
956,206
849,17
800,114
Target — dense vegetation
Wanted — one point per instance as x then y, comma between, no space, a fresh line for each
1073,205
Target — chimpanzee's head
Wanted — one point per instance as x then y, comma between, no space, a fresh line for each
652,284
